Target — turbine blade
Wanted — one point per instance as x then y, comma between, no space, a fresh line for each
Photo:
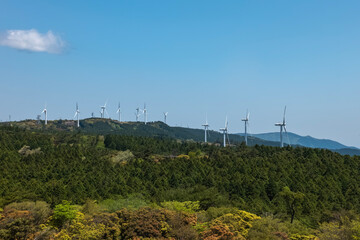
284,115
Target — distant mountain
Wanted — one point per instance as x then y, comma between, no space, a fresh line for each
306,141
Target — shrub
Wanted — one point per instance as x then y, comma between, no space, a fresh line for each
63,213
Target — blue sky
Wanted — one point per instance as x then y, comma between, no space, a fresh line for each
189,58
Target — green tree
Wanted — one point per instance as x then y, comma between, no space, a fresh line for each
63,213
293,201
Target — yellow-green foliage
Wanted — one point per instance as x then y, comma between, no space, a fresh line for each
81,229
183,156
303,237
239,222
270,228
122,156
40,211
187,206
26,150
90,207
133,201
344,228
100,142
63,213
355,226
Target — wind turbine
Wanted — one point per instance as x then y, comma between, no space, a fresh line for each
119,112
103,110
165,116
45,112
206,128
137,114
225,132
145,113
282,127
77,113
246,121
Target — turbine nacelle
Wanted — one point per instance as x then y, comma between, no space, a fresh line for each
247,117
225,132
282,126
103,110
45,112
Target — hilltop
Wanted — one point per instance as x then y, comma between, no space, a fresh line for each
105,126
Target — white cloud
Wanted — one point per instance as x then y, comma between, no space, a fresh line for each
32,40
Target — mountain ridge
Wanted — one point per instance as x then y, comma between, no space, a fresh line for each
105,126
306,141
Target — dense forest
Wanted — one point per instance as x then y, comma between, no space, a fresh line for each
61,185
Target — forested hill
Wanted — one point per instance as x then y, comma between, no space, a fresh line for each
160,129
151,129
260,179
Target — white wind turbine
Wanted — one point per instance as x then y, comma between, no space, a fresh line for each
45,112
103,110
77,114
145,113
165,116
206,128
137,114
225,132
282,126
119,112
246,121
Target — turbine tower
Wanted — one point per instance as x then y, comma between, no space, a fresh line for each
225,132
119,112
45,112
282,128
145,113
103,110
206,128
165,116
77,113
137,114
246,121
